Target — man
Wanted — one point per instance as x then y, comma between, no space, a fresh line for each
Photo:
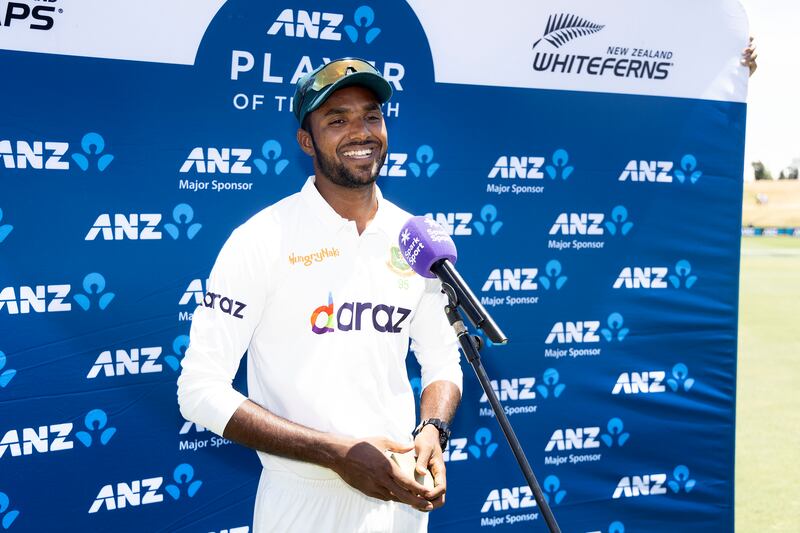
314,289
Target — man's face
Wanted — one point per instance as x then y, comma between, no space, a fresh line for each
349,138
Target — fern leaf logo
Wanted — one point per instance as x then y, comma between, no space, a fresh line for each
564,27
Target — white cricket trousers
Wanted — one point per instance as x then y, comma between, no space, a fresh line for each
288,503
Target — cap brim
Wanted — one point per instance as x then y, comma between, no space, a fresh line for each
378,85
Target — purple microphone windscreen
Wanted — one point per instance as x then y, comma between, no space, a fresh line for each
423,242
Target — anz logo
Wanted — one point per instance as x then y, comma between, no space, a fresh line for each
532,167
146,491
509,498
483,446
455,224
654,381
236,160
52,155
656,277
423,165
144,226
654,484
56,437
588,331
54,298
586,438
662,171
525,279
394,166
324,26
593,224
515,389
194,292
134,361
462,224
511,279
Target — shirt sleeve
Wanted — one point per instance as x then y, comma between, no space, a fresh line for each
222,327
433,340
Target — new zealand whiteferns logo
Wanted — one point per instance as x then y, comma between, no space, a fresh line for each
564,27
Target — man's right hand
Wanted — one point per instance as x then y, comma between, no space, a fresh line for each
365,466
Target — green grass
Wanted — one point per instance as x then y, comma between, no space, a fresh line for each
768,396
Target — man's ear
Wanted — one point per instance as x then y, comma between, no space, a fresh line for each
305,142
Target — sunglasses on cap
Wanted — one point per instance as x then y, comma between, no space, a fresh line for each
336,70
314,90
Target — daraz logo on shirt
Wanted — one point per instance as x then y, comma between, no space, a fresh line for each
352,316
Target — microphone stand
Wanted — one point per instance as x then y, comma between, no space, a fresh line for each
470,345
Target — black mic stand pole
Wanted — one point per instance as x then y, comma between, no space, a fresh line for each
471,348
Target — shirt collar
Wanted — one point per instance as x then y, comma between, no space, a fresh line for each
328,216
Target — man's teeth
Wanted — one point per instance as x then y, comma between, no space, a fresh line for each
357,153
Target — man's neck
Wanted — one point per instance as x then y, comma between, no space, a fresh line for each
358,205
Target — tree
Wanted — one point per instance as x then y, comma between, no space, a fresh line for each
761,172
788,173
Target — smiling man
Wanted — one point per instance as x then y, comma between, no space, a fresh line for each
326,339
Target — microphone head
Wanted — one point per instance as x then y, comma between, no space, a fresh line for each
423,242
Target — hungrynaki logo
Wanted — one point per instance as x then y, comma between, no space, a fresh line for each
563,31
351,316
39,15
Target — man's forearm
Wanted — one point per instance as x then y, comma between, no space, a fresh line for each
257,428
440,400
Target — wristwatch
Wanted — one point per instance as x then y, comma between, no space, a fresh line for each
441,425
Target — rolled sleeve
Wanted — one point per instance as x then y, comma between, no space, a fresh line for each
222,328
433,340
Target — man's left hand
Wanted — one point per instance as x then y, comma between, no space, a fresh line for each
429,457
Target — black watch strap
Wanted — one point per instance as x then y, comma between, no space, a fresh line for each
439,424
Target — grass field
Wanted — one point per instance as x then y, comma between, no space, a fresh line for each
768,397
781,209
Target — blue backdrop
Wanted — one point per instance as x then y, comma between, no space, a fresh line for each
601,230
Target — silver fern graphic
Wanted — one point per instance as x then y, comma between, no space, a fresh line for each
564,27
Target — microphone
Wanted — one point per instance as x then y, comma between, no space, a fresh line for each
431,253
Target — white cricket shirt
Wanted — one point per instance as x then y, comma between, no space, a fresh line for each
325,315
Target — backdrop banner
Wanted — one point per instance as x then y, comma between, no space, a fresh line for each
586,155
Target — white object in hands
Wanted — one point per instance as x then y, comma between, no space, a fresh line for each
408,465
